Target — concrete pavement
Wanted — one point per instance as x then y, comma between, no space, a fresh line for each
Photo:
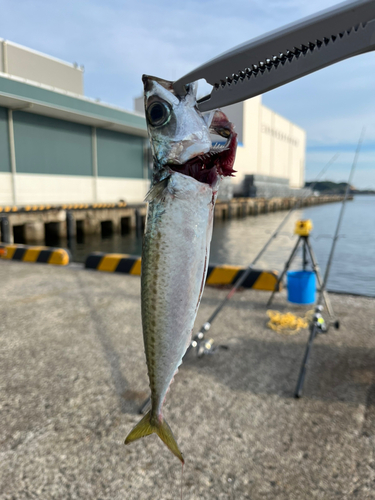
73,374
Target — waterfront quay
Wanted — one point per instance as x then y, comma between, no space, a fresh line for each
73,376
41,223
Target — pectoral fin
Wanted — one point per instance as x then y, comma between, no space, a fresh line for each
156,191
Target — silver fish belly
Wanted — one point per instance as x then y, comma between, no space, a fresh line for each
174,267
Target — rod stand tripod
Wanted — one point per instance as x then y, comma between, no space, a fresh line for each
318,324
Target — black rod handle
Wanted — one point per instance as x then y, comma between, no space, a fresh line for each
302,374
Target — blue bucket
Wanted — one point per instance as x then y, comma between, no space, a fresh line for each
301,287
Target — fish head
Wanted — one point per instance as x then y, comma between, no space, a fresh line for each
180,134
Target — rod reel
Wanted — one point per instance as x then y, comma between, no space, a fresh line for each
205,347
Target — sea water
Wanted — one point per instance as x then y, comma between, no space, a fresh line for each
238,241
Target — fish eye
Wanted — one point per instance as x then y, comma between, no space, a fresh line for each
158,113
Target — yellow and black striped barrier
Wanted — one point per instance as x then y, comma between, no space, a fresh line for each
114,263
216,275
228,275
25,253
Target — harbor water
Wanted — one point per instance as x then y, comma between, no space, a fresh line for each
238,241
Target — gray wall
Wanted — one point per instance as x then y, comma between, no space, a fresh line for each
49,146
45,145
4,141
119,155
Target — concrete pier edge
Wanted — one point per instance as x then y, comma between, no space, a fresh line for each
31,224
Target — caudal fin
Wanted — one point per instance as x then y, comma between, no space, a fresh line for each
162,429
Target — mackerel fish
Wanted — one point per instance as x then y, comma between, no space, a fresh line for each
186,177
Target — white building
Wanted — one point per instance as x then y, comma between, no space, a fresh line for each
271,149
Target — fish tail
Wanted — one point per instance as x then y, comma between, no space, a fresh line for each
161,428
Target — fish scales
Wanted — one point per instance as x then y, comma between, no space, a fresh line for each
173,272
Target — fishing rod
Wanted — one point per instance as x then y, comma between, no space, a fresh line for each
197,341
318,324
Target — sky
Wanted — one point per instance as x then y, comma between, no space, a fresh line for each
119,40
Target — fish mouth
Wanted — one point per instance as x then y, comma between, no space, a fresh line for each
219,160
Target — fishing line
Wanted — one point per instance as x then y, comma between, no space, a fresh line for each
318,324
336,236
197,340
199,336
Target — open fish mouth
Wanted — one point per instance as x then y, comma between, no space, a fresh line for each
219,160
